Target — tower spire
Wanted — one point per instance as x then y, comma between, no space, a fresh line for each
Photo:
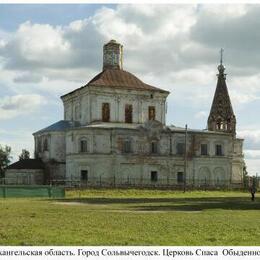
221,56
221,117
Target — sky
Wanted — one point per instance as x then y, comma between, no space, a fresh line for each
49,50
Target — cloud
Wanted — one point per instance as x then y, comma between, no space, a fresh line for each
34,46
201,115
178,42
251,135
253,166
174,47
28,78
252,138
245,89
217,28
17,140
13,106
252,154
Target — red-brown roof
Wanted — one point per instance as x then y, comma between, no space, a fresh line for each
119,79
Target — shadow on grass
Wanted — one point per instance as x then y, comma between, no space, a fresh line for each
172,204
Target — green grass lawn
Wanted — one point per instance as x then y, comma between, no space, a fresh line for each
132,217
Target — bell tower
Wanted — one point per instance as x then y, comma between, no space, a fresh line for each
221,117
113,55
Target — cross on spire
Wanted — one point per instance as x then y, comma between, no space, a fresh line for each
221,55
222,117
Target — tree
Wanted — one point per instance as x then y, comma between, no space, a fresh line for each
24,155
5,158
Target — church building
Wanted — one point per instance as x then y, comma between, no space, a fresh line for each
114,133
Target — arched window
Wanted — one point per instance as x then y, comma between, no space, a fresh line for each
220,176
128,113
127,147
229,124
83,146
204,176
105,112
219,125
204,149
219,150
154,147
151,113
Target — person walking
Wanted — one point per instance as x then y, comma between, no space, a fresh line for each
253,191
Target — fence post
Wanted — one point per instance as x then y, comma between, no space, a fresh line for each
114,180
79,190
100,181
50,191
4,192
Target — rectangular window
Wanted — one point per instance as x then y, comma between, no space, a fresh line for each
105,112
180,178
154,176
83,146
84,175
204,149
180,148
128,113
154,147
151,113
219,151
127,146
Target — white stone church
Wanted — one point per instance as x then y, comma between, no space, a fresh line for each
114,133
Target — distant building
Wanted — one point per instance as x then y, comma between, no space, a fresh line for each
25,172
114,133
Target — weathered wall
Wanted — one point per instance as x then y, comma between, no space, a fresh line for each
107,160
86,105
56,148
26,177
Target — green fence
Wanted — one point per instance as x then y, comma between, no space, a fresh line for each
14,191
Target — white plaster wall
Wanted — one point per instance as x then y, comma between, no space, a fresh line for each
104,156
86,105
56,146
214,171
237,172
101,143
107,159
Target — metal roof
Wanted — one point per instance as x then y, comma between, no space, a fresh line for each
27,164
117,78
61,125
